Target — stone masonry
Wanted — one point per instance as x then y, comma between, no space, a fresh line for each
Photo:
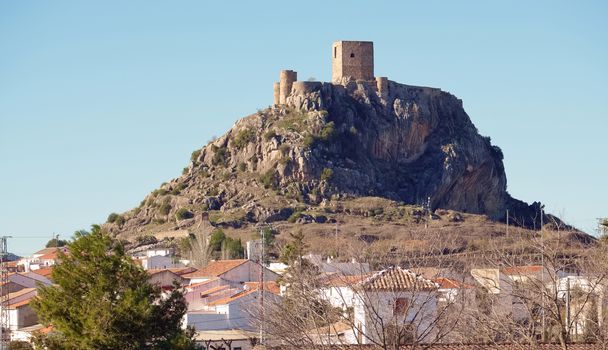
351,61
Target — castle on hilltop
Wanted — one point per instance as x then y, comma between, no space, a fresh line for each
351,61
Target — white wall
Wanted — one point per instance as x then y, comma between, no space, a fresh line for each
159,262
207,320
21,317
249,272
342,297
371,308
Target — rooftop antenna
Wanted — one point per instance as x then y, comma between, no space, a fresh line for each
4,296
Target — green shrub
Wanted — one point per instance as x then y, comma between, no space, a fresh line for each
159,192
234,248
165,208
326,174
285,160
294,120
194,156
243,138
284,148
183,214
220,156
327,132
146,239
112,218
308,141
294,217
215,240
269,179
184,170
242,166
120,220
19,345
178,189
269,135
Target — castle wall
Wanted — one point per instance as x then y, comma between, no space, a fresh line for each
286,79
382,86
276,89
304,87
352,60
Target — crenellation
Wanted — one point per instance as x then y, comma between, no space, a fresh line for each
352,63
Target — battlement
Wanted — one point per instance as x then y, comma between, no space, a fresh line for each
351,61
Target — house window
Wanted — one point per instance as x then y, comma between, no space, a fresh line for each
352,55
237,348
400,306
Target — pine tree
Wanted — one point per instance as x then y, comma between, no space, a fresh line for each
102,300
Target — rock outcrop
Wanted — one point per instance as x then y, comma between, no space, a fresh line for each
333,142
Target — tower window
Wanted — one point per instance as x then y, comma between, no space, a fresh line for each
352,55
335,52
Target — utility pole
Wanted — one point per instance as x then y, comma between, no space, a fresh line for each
542,271
568,316
261,289
4,296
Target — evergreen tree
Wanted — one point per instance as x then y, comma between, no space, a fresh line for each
102,300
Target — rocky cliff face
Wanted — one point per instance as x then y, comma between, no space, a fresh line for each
332,142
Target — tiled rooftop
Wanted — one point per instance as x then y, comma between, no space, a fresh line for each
396,279
216,268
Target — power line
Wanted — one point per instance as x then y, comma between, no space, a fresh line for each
4,296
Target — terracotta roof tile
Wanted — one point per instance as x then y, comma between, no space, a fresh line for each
216,268
270,286
232,298
396,278
446,283
20,303
46,272
194,285
207,292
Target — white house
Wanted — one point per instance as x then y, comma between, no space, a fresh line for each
156,262
18,281
329,265
41,259
584,299
20,313
241,270
397,304
238,310
339,290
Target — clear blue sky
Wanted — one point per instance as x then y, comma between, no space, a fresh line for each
101,102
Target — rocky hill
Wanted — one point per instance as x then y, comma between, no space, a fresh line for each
336,149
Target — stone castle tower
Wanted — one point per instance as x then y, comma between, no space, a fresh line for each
351,61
